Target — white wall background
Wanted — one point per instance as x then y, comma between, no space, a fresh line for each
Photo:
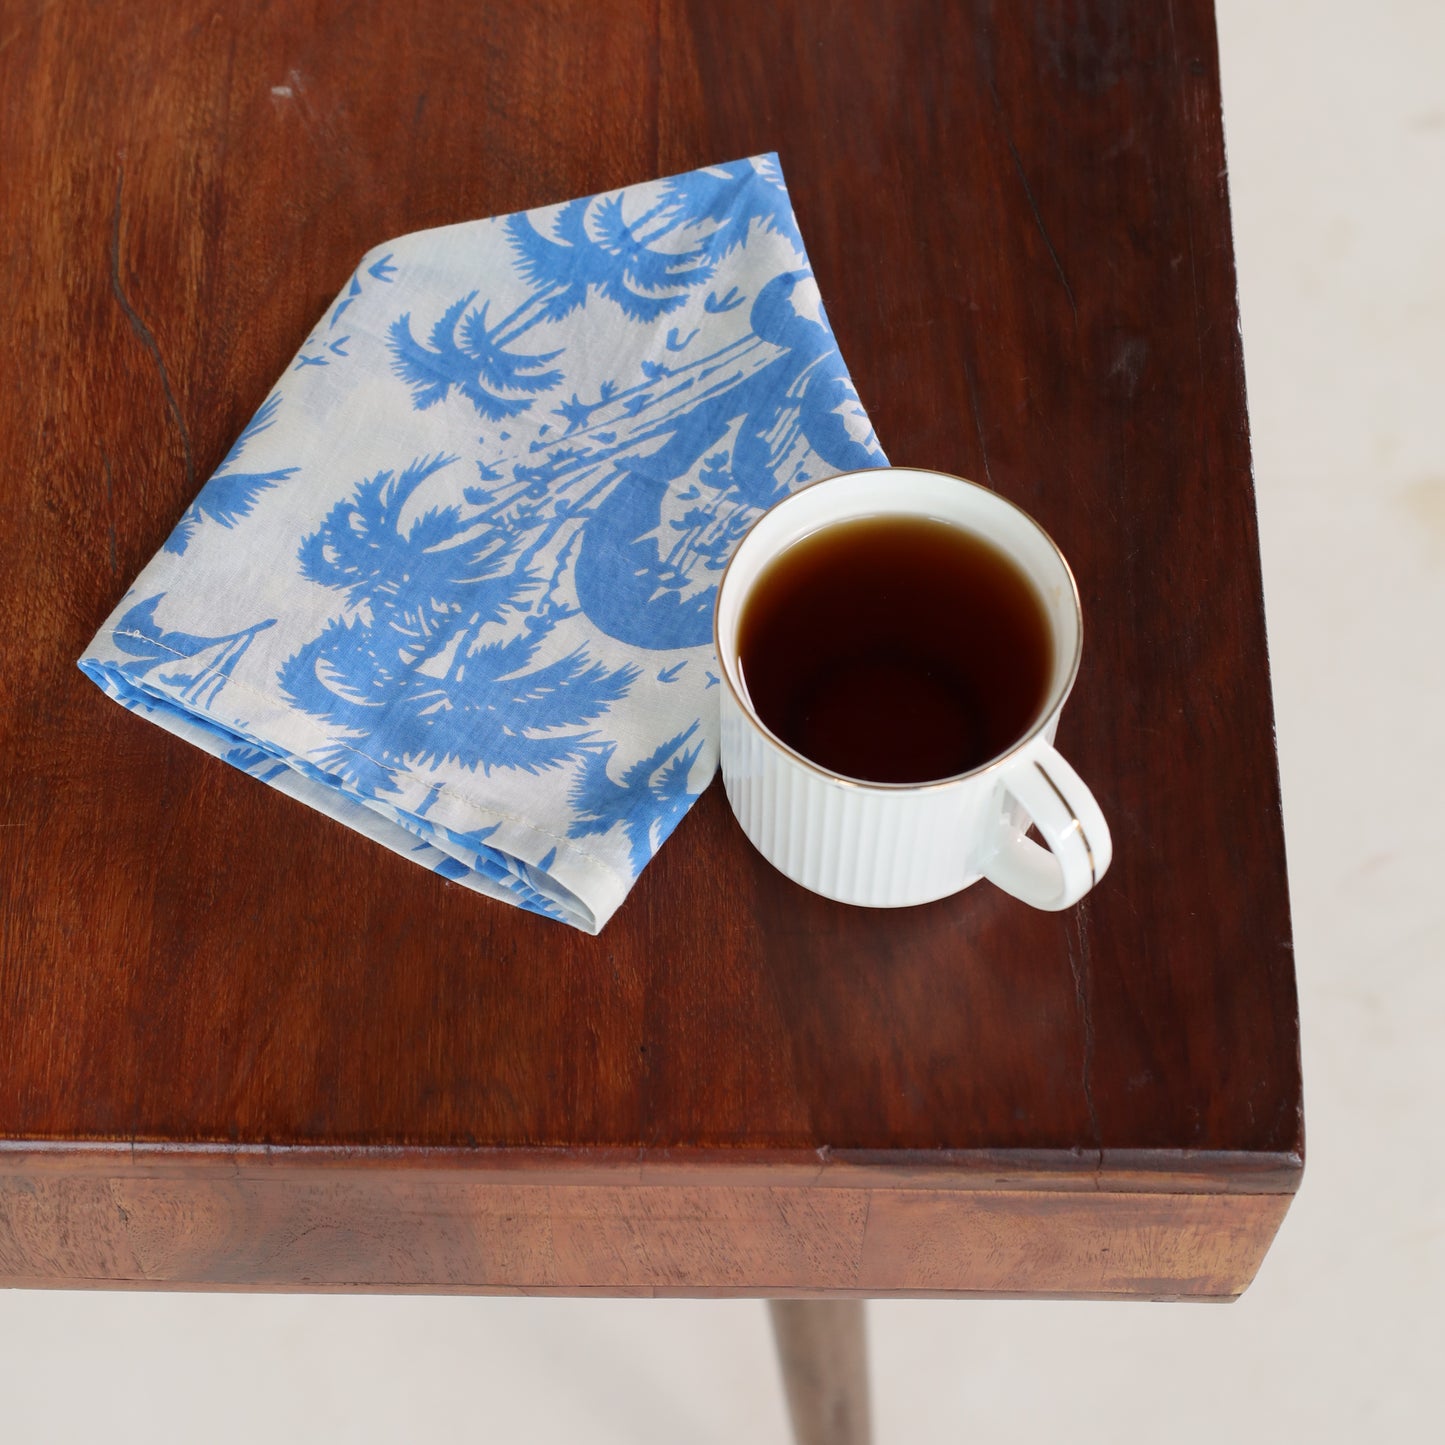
1335,114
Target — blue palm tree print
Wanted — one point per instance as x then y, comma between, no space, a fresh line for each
646,804
590,248
723,431
466,354
230,494
751,408
421,670
478,531
734,198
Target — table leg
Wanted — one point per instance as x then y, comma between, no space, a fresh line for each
824,1357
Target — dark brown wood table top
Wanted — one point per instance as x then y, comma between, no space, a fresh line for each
243,1046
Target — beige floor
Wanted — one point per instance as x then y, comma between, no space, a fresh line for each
1336,123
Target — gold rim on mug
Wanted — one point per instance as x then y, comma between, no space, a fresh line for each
1056,696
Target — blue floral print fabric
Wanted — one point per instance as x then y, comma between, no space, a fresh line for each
453,585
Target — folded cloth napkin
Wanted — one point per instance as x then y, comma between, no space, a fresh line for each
453,585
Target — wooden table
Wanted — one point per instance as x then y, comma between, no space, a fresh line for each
245,1048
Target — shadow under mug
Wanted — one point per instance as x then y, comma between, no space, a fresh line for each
889,845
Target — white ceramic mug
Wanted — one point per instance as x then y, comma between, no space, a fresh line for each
887,845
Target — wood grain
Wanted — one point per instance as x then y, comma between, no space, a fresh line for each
1019,221
214,1223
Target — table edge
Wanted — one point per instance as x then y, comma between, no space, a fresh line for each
1165,1171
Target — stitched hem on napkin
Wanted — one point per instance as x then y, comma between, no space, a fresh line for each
518,862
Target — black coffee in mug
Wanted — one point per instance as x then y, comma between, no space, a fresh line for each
895,649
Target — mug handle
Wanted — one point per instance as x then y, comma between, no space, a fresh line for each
1071,823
